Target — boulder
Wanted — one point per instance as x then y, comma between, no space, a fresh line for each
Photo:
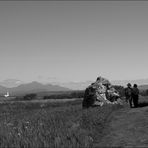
99,93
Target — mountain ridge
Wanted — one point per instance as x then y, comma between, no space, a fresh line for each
33,87
83,85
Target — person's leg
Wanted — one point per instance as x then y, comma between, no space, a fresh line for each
136,101
130,101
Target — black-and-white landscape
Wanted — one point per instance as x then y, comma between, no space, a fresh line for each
64,67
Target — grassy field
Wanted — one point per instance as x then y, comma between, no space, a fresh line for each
52,124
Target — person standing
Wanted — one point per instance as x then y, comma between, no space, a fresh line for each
128,94
135,95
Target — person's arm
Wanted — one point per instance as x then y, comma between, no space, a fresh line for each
138,91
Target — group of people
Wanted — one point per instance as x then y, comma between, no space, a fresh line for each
132,95
102,92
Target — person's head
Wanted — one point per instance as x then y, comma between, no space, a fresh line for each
129,85
135,85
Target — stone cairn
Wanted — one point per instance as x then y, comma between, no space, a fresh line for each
99,93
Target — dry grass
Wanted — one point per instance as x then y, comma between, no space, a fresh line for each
51,124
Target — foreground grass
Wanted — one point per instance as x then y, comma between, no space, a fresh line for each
52,124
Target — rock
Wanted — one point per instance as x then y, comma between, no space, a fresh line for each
99,93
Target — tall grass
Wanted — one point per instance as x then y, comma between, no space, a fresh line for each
60,125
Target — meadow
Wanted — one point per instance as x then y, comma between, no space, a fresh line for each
39,124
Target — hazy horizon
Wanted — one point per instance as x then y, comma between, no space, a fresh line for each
73,41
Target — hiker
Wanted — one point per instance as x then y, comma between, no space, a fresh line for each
128,94
135,95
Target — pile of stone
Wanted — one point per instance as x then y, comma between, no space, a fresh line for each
99,93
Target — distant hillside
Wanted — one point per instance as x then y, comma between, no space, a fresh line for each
33,87
124,82
74,85
143,87
36,87
83,85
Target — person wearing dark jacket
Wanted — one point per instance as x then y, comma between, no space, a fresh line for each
135,95
128,94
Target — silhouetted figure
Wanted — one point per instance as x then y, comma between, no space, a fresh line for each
135,95
128,94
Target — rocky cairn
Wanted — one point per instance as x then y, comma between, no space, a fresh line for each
99,93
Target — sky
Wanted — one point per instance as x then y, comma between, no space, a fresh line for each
73,41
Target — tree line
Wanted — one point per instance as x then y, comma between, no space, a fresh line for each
70,95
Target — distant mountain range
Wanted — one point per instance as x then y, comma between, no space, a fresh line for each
142,83
17,87
74,85
11,83
33,87
124,82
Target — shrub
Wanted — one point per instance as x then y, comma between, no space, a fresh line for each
30,96
70,95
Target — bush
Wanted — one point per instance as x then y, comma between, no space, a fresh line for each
30,97
70,95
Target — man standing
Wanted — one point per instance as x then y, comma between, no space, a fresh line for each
128,94
135,95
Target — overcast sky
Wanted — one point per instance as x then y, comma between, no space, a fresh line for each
73,41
